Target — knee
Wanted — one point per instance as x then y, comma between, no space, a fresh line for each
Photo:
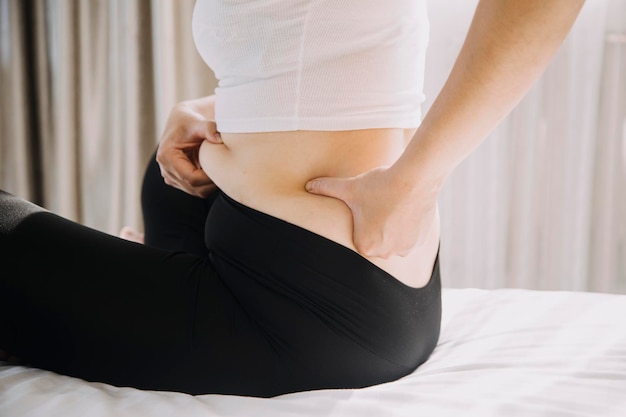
13,210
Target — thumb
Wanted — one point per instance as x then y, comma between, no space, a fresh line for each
212,135
330,187
204,129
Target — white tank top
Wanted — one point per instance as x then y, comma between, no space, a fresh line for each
285,65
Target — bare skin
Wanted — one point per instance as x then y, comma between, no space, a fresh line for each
131,234
268,172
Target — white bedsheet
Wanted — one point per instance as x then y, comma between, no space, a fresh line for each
501,353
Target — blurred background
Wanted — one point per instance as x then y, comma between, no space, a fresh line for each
86,86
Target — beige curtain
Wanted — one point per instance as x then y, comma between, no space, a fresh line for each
87,84
87,87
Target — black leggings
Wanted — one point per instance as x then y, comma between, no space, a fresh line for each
221,299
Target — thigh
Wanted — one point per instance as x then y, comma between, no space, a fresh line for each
172,218
91,305
71,294
84,303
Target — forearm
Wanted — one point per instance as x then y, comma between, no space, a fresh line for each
507,48
205,106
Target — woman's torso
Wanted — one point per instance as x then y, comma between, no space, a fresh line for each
335,86
268,171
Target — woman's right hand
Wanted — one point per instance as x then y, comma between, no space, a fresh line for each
391,216
189,124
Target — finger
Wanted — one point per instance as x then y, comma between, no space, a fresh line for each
197,178
204,130
365,242
330,187
184,175
375,251
199,189
181,169
203,191
197,131
212,135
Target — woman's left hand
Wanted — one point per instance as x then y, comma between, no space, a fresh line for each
390,216
189,124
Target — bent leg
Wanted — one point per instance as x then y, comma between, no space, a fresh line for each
83,303
88,304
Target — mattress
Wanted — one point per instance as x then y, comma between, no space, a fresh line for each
502,352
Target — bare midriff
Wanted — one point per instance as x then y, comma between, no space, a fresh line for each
268,172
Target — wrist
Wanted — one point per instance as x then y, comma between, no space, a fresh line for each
411,181
419,169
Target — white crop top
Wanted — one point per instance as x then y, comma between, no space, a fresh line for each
285,65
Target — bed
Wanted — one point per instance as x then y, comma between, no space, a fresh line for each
502,352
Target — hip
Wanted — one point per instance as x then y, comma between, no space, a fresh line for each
289,279
268,171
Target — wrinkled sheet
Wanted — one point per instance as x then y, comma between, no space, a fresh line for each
501,352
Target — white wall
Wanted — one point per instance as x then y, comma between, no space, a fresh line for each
540,203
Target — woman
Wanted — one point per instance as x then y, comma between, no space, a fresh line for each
254,281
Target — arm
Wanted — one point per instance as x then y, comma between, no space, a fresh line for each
190,123
508,46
